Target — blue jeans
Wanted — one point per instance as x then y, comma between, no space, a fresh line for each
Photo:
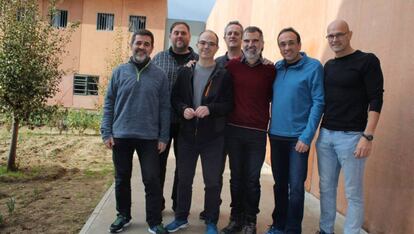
335,150
289,169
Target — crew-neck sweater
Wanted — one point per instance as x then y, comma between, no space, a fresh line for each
252,87
353,86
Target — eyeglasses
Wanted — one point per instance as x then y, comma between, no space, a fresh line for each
209,43
338,36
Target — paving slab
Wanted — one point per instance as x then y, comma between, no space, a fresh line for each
104,213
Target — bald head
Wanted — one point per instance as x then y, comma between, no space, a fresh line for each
338,24
339,38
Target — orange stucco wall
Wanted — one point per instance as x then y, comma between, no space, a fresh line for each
90,49
383,27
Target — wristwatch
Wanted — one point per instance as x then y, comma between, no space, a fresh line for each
368,136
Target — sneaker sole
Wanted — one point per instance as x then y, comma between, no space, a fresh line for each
120,230
179,227
151,231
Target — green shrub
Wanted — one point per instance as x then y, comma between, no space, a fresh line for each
11,205
81,120
1,220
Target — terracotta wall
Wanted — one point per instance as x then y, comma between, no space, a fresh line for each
380,26
90,49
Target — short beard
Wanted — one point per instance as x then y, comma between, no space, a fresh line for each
180,49
251,56
139,59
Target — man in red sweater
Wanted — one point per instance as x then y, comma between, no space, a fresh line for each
246,130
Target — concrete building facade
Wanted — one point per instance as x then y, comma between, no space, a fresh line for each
102,37
379,26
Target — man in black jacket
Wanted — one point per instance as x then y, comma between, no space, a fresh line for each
202,96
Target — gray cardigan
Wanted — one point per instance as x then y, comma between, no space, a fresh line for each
137,104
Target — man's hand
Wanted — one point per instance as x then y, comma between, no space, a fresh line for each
161,147
301,147
202,111
267,61
190,63
189,113
109,143
363,148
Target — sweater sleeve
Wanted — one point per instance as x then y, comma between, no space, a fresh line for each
165,111
317,95
374,83
109,106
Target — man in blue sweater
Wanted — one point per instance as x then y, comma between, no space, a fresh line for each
297,105
136,117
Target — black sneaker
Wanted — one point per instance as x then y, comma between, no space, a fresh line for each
249,228
119,224
202,215
232,227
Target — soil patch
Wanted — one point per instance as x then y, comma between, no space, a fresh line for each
61,179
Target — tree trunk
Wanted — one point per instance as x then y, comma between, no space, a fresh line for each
11,160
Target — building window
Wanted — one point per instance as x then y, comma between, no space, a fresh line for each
105,22
85,85
136,23
59,19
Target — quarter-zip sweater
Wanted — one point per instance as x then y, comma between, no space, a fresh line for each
217,96
252,94
298,99
137,104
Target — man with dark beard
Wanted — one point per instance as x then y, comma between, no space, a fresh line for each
136,117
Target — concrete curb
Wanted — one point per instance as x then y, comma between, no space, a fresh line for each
97,210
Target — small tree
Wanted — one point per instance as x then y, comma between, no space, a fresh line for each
114,57
31,52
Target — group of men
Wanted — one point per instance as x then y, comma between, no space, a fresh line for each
218,107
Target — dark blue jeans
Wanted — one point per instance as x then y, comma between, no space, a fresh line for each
147,151
289,169
246,149
212,162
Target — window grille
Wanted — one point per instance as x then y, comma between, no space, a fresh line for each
60,19
136,22
85,85
105,22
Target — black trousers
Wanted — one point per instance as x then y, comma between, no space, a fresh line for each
163,165
212,161
147,151
246,149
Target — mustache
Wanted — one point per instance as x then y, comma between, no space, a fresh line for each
251,48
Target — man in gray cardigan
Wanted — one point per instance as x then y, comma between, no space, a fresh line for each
136,117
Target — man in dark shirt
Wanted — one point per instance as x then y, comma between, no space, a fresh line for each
170,60
233,33
246,130
353,100
202,97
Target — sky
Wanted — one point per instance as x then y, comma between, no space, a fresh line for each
196,10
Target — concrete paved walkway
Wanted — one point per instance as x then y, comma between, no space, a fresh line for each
104,213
